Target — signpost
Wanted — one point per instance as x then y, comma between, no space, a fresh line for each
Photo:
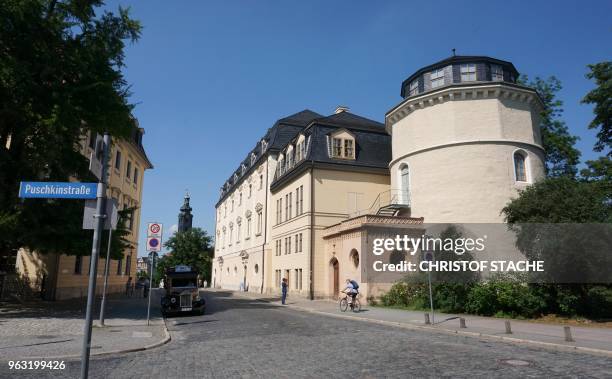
93,267
429,256
112,211
154,243
110,224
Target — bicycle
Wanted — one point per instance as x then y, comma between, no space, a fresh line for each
355,304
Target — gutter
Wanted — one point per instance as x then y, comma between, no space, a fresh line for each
312,219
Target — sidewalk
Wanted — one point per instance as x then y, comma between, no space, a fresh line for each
586,339
55,329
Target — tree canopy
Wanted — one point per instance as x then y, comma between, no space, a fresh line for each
60,75
192,248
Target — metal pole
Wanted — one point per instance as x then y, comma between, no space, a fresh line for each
106,268
433,320
153,254
93,266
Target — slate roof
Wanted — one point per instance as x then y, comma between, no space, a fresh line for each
372,144
276,137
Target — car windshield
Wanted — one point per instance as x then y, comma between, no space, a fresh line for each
183,282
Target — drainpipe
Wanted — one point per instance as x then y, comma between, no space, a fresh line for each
312,238
265,222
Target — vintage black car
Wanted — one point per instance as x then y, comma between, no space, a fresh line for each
181,293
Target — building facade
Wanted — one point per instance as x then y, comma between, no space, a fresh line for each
66,276
462,142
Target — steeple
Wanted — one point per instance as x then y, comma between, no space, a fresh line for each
185,217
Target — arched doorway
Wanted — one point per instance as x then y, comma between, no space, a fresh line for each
335,277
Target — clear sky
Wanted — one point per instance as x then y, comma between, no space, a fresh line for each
209,77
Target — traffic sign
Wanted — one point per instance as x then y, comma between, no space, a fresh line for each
58,190
153,244
112,214
154,229
95,158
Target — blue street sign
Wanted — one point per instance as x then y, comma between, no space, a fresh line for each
58,190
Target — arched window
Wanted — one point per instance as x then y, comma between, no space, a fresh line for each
354,258
405,184
520,167
396,257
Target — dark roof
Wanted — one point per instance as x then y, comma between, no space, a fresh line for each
276,137
458,59
372,145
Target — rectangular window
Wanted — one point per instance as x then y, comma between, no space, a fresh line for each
259,222
437,78
128,170
287,275
119,266
297,202
468,72
78,264
286,207
414,88
280,210
136,175
290,202
288,245
497,73
128,265
238,226
118,160
248,230
300,249
297,243
348,148
301,199
260,181
337,147
299,279
277,274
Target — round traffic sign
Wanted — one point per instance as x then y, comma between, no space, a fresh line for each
155,228
153,242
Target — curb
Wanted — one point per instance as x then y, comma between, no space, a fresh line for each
518,341
164,341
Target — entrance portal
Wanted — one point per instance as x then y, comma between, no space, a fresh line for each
335,279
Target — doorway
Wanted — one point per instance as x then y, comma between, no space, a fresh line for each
335,277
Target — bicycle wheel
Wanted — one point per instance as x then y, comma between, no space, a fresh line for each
343,305
356,306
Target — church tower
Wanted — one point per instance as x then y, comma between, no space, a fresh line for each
185,217
465,139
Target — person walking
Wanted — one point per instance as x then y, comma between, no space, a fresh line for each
284,290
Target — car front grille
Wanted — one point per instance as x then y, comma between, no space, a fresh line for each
186,300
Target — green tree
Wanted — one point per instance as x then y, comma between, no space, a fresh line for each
60,75
192,248
601,97
561,155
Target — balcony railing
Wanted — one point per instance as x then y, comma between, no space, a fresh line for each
386,202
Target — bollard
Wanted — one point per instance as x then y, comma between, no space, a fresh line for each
462,323
508,328
427,322
568,334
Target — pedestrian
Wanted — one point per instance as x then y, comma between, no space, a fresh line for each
128,287
284,290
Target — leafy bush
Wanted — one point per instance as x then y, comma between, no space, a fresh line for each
599,302
405,294
451,297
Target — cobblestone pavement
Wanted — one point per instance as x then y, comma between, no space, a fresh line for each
52,329
241,337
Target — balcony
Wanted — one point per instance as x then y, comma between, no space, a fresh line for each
387,203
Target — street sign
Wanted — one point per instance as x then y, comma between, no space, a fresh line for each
95,166
154,229
112,214
58,190
153,244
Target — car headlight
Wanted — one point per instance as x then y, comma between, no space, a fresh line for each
173,300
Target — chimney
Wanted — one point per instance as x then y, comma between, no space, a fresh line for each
340,109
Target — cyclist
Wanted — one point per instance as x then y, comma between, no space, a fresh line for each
351,289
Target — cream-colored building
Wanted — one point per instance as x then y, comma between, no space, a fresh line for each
461,143
66,276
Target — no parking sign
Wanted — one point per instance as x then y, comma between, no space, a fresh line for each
154,236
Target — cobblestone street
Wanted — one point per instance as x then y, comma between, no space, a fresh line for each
239,337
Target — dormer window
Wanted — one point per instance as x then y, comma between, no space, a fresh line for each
497,73
437,78
253,158
343,145
264,146
414,87
468,72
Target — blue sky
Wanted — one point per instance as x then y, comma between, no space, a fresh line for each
209,77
